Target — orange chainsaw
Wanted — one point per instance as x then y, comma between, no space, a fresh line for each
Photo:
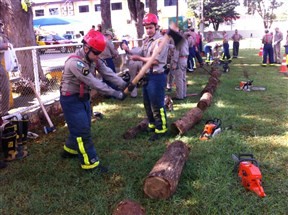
249,173
211,129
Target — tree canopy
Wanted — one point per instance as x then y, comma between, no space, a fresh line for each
265,8
216,12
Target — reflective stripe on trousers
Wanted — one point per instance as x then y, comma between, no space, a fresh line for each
153,96
77,114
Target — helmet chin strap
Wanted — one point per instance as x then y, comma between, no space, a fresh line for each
86,54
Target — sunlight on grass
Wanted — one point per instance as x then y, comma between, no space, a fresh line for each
184,105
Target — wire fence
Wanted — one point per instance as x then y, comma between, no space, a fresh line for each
49,59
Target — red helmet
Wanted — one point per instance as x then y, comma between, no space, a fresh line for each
95,40
150,18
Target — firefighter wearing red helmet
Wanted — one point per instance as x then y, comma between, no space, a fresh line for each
155,79
77,80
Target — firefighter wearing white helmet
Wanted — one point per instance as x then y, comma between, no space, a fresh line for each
78,77
155,78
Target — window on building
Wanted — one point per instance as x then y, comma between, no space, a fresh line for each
83,8
39,12
97,7
54,11
170,2
116,6
147,3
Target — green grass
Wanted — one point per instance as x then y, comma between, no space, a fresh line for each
254,122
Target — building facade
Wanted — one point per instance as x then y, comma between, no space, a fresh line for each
89,13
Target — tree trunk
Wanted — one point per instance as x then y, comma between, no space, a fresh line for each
20,32
185,123
205,101
132,132
153,7
129,207
105,15
136,9
163,179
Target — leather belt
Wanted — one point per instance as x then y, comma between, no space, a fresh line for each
183,56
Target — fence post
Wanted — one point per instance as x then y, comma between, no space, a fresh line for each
36,72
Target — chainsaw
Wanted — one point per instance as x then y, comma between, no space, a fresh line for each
211,129
249,173
247,86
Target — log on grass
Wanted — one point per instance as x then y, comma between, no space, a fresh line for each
129,207
205,101
163,179
186,122
132,132
215,73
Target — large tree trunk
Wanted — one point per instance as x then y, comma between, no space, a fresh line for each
105,15
191,118
153,6
163,179
19,29
136,8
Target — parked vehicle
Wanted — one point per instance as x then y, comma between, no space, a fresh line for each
54,39
75,38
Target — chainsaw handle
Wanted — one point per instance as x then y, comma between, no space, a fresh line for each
245,155
252,160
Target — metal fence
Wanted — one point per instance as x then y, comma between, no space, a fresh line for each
51,60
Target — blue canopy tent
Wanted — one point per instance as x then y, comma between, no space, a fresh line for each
48,21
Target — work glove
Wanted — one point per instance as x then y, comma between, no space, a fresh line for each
120,95
130,86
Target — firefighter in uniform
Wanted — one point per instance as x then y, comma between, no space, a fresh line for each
133,66
155,79
268,48
226,52
78,77
179,68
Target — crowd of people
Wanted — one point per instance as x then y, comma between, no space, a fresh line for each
95,59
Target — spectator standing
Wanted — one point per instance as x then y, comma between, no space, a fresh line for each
155,78
267,40
4,77
77,79
278,37
236,37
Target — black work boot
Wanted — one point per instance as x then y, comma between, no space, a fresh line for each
2,165
156,136
98,169
65,155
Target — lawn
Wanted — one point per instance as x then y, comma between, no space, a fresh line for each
252,122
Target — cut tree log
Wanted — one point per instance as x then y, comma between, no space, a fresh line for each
132,132
163,179
191,118
129,207
205,101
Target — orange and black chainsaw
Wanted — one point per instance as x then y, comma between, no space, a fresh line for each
211,129
249,173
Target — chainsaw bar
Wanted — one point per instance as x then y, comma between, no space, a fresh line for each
253,88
